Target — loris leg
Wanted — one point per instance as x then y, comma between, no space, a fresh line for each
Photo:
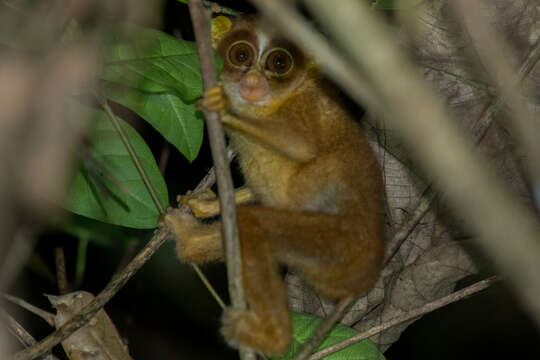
266,326
323,247
336,256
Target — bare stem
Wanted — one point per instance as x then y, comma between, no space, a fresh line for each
61,276
405,230
20,333
45,315
201,27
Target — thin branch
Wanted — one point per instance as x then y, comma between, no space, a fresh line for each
86,313
17,330
20,333
409,315
212,291
324,328
61,276
231,245
423,206
132,154
45,315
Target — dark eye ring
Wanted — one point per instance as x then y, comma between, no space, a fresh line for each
279,62
241,54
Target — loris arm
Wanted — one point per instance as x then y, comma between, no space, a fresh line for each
282,139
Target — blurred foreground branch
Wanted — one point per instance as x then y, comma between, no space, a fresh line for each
18,331
507,231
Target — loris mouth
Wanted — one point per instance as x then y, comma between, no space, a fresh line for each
254,87
254,95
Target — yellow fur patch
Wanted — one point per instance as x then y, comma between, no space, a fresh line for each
220,26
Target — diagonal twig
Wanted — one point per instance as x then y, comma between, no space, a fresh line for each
20,332
409,315
86,313
45,315
324,328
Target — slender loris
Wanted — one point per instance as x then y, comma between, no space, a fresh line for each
313,194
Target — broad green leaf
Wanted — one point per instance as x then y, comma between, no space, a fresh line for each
152,61
395,4
183,1
180,123
106,185
304,325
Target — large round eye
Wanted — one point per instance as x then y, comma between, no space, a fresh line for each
279,61
241,53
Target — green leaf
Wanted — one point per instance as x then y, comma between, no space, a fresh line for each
183,1
152,61
106,185
304,325
395,4
180,123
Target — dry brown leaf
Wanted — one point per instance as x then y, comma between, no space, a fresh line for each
98,340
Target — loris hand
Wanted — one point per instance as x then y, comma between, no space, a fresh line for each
214,99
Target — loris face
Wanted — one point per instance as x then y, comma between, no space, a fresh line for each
260,70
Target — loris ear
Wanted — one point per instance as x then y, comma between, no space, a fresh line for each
221,25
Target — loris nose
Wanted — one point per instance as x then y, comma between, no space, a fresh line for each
253,79
254,86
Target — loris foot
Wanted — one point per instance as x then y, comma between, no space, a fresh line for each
258,332
180,223
213,99
204,204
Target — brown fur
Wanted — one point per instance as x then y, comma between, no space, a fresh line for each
319,209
